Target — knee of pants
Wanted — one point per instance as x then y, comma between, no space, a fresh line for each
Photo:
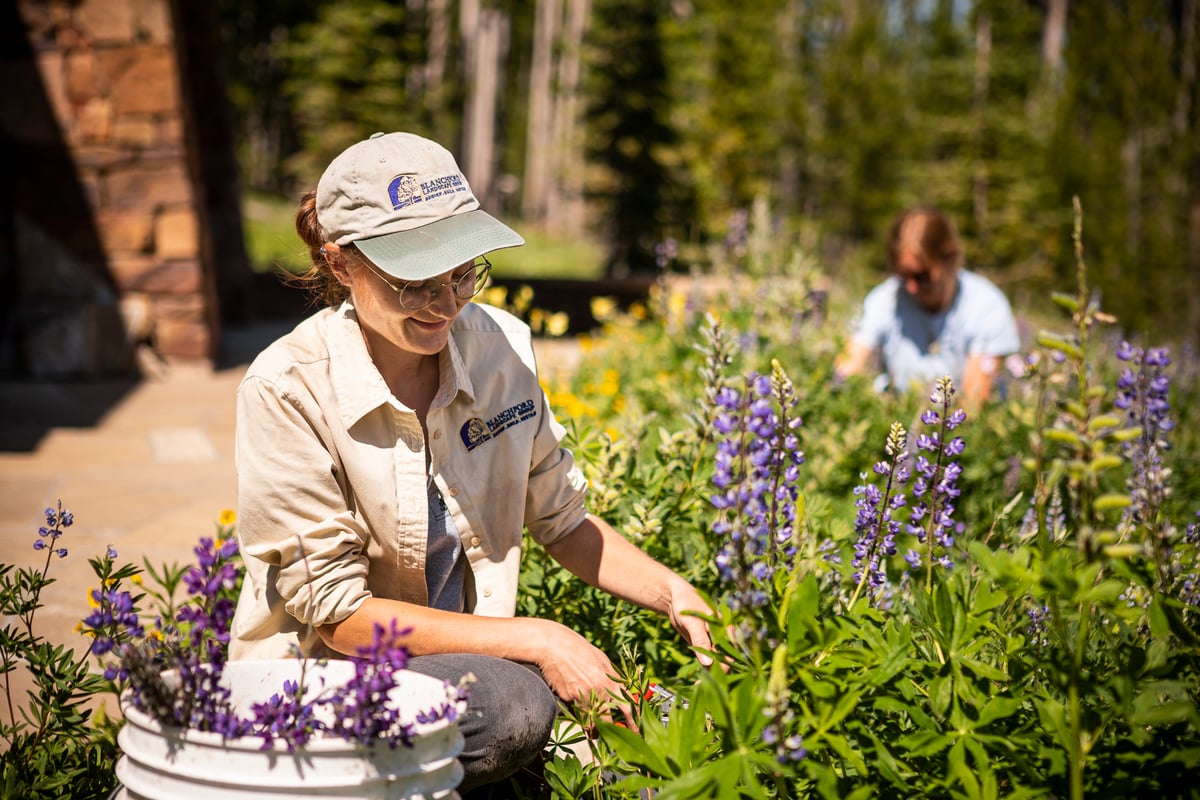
510,713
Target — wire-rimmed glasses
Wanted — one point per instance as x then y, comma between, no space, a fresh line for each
416,295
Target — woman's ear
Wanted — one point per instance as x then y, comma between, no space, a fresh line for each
337,262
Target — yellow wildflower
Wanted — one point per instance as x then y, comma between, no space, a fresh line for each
603,308
557,323
227,518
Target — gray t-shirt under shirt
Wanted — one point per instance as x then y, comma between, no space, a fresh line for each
445,565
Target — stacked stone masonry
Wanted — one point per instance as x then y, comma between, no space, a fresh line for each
110,74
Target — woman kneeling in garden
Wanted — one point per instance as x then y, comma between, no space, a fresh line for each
392,448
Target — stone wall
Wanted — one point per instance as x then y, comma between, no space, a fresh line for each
107,256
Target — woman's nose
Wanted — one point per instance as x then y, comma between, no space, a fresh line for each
445,301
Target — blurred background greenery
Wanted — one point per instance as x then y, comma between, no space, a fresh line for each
603,128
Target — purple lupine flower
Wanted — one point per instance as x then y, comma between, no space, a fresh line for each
874,523
738,232
113,620
665,253
1189,577
286,717
757,477
1142,393
199,655
1039,616
934,490
56,520
361,708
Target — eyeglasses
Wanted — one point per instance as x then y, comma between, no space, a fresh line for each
419,294
923,277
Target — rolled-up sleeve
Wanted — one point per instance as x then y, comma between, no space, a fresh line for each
555,502
305,547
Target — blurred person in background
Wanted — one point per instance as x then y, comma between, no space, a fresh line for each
392,448
931,317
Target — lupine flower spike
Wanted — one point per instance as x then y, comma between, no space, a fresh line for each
931,518
757,474
875,524
1142,390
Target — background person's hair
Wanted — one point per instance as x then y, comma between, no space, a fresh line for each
930,233
322,285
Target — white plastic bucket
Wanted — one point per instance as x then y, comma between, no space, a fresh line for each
180,764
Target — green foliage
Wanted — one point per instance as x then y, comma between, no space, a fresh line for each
841,112
271,239
356,69
1060,656
630,137
53,745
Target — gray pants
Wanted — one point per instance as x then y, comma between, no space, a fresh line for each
509,715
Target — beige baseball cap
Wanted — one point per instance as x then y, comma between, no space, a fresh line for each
403,201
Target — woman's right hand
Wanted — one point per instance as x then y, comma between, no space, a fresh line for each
575,669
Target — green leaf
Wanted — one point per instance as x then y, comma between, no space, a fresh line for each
1053,717
983,670
631,748
1169,713
996,709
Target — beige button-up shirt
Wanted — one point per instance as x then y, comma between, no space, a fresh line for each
333,501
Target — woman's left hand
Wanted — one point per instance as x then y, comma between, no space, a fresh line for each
687,612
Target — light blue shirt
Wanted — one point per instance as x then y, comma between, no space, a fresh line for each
919,347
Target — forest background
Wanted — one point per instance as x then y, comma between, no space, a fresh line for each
631,123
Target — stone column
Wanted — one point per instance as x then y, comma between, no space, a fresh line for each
102,234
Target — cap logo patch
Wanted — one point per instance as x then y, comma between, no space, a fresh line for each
404,190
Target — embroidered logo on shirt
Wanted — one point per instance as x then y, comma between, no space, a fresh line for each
476,431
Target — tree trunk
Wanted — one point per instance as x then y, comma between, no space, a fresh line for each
979,182
566,209
1187,127
437,53
485,34
539,137
1054,34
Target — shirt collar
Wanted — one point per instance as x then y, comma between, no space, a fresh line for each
357,382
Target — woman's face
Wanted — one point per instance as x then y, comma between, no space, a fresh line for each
929,283
424,331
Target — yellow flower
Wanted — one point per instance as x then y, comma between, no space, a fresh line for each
227,518
136,579
557,323
494,296
603,308
93,598
677,302
610,384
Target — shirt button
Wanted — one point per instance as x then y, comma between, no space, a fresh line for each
474,541
437,434
453,492
487,592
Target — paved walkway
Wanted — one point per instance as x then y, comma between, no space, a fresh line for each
146,467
